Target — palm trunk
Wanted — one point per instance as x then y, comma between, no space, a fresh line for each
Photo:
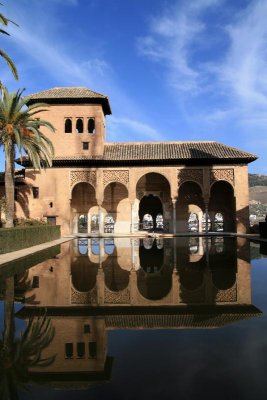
9,327
9,184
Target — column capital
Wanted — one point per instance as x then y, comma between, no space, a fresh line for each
174,200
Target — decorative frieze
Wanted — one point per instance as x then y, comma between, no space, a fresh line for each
83,176
227,296
121,176
187,174
89,297
222,174
121,297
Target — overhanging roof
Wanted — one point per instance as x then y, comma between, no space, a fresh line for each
70,95
158,153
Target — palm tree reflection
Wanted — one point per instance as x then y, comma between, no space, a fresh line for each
19,354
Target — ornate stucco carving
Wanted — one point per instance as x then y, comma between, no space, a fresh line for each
84,297
227,296
121,297
195,175
83,176
222,174
121,176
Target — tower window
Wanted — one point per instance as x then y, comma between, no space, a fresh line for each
68,125
35,192
68,350
91,125
79,125
92,349
80,349
85,145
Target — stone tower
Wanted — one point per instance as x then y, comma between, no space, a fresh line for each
78,114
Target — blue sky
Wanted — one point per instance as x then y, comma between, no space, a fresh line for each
173,69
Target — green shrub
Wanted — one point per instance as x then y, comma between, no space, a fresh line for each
20,237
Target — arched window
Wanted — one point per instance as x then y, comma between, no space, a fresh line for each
147,222
79,125
193,225
91,125
159,221
204,222
218,222
109,224
95,223
83,246
109,246
95,246
68,125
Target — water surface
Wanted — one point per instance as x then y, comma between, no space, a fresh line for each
150,318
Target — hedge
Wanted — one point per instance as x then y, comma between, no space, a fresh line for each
12,239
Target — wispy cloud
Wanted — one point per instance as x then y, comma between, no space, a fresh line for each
234,75
170,42
245,68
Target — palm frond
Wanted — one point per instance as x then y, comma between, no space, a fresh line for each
9,63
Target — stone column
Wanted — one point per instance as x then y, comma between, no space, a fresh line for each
200,216
100,219
174,216
132,218
206,203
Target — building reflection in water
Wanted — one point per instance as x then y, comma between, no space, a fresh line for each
96,285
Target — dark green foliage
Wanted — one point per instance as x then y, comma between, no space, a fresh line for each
12,239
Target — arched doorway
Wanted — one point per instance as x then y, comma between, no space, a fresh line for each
117,208
83,203
189,207
153,192
222,203
149,208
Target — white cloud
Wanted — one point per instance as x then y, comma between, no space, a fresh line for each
245,68
169,42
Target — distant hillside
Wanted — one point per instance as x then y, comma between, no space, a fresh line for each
257,180
257,196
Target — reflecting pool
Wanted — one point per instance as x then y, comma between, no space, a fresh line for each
136,318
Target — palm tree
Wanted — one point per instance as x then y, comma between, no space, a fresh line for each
5,21
20,129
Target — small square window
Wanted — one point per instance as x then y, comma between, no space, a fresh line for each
85,145
35,192
86,328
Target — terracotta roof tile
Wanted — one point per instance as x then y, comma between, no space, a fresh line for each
173,150
67,94
162,153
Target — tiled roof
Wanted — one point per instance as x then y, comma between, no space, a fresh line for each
189,153
173,150
194,320
179,152
69,93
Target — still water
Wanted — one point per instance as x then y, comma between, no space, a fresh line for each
136,319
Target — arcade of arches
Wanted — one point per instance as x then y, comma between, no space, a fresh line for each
167,199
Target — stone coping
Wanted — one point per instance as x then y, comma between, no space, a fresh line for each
16,255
